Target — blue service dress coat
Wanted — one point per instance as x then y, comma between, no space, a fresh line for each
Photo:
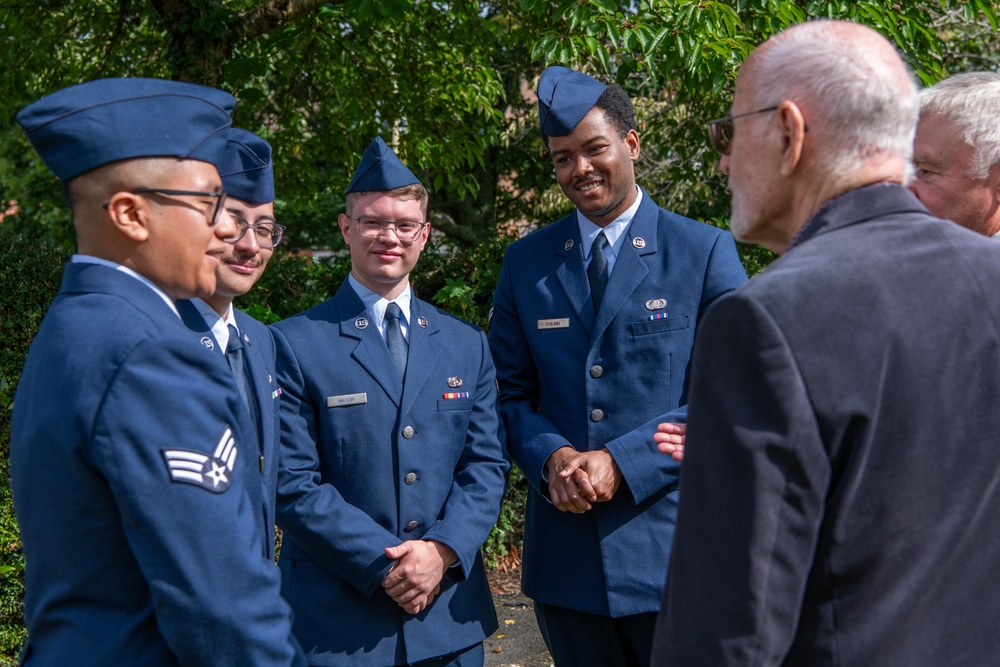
571,377
368,462
259,356
841,503
137,499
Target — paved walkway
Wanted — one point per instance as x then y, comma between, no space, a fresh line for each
517,643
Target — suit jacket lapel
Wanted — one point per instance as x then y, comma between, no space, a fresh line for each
631,266
570,272
371,352
423,353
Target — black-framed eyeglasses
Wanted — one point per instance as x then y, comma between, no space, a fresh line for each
267,234
372,228
720,130
219,197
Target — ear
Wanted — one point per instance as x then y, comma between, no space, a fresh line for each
345,227
129,214
425,234
793,133
994,181
632,141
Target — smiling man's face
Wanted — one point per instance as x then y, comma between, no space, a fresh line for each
594,167
383,264
242,263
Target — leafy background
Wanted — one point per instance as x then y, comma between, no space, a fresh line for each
448,85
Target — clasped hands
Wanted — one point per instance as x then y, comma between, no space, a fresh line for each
415,578
578,479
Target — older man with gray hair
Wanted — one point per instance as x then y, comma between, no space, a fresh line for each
839,494
957,151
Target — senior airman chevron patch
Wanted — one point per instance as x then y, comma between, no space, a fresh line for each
213,473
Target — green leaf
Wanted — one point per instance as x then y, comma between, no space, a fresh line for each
544,48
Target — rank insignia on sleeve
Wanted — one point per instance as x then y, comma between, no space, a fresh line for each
213,473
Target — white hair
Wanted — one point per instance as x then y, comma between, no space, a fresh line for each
971,102
856,97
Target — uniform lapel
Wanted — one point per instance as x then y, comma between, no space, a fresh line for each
423,354
571,273
194,321
631,266
371,352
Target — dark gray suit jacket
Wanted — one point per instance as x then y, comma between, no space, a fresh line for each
840,495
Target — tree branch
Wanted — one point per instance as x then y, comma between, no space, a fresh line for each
462,236
275,13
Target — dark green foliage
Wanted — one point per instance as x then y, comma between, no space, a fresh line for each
30,275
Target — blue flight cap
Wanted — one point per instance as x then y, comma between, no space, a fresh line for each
565,96
246,168
92,124
380,170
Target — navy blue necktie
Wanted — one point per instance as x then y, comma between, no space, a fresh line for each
394,337
597,270
234,355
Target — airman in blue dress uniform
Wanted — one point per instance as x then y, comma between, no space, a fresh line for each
133,478
594,319
392,471
247,173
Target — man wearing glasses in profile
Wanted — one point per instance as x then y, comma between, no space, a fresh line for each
135,494
248,180
391,470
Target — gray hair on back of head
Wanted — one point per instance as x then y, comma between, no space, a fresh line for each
856,99
971,102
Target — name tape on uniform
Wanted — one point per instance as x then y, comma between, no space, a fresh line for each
558,323
345,400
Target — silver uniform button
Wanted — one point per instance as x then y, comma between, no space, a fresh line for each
412,526
596,371
407,432
597,414
410,478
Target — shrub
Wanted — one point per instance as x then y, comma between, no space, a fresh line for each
30,275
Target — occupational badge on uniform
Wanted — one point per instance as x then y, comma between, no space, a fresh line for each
208,342
422,321
656,304
638,243
454,382
213,473
247,339
569,245
269,380
361,323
